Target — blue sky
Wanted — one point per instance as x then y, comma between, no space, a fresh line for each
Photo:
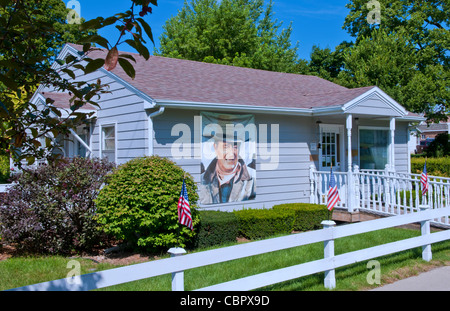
314,22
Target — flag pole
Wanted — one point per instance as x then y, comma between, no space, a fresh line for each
331,172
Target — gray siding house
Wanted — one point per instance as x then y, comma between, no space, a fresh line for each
293,124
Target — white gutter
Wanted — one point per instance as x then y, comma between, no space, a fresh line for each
234,107
150,129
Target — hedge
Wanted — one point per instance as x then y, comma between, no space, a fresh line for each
307,216
216,228
281,219
435,166
261,223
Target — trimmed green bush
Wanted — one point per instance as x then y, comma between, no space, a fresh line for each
307,216
216,228
261,223
139,204
281,219
435,166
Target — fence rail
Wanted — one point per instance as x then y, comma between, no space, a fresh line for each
177,265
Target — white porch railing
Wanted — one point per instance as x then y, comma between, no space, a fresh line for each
382,191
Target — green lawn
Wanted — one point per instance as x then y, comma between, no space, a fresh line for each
17,272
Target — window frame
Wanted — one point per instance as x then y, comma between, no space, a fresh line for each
338,130
101,140
388,146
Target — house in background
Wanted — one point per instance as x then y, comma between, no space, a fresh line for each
293,124
430,131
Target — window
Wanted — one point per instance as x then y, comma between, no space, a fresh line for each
330,146
109,142
373,148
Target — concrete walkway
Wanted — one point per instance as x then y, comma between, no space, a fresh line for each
434,280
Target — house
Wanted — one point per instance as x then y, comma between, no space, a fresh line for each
430,131
282,123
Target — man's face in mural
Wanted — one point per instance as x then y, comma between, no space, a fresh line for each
227,155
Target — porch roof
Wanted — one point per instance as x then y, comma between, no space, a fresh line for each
177,82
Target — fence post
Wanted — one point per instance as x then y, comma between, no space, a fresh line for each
328,251
177,277
425,230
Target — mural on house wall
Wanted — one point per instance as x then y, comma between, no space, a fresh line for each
228,169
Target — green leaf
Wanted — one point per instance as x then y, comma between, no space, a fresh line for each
93,23
128,56
69,72
94,65
94,39
147,29
127,67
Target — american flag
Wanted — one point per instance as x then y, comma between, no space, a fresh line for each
333,194
424,179
184,210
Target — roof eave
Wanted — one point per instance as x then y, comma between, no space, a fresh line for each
234,107
149,102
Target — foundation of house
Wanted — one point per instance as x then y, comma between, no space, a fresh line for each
343,216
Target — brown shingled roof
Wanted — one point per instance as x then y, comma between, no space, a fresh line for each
169,79
61,100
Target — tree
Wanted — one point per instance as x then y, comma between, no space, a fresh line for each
30,33
406,54
328,64
231,32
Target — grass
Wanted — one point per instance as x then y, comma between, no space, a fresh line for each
17,272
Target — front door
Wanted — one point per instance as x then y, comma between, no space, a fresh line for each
330,147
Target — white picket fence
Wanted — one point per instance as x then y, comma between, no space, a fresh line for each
383,191
178,264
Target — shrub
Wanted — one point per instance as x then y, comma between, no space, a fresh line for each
440,146
435,166
307,216
281,219
216,228
50,209
4,169
139,204
262,223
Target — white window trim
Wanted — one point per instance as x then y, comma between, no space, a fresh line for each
101,126
336,128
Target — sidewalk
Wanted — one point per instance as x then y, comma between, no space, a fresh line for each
435,280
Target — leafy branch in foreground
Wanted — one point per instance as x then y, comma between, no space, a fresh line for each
27,130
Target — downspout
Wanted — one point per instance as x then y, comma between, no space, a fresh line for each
150,128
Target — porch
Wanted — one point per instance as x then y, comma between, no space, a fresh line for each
380,192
